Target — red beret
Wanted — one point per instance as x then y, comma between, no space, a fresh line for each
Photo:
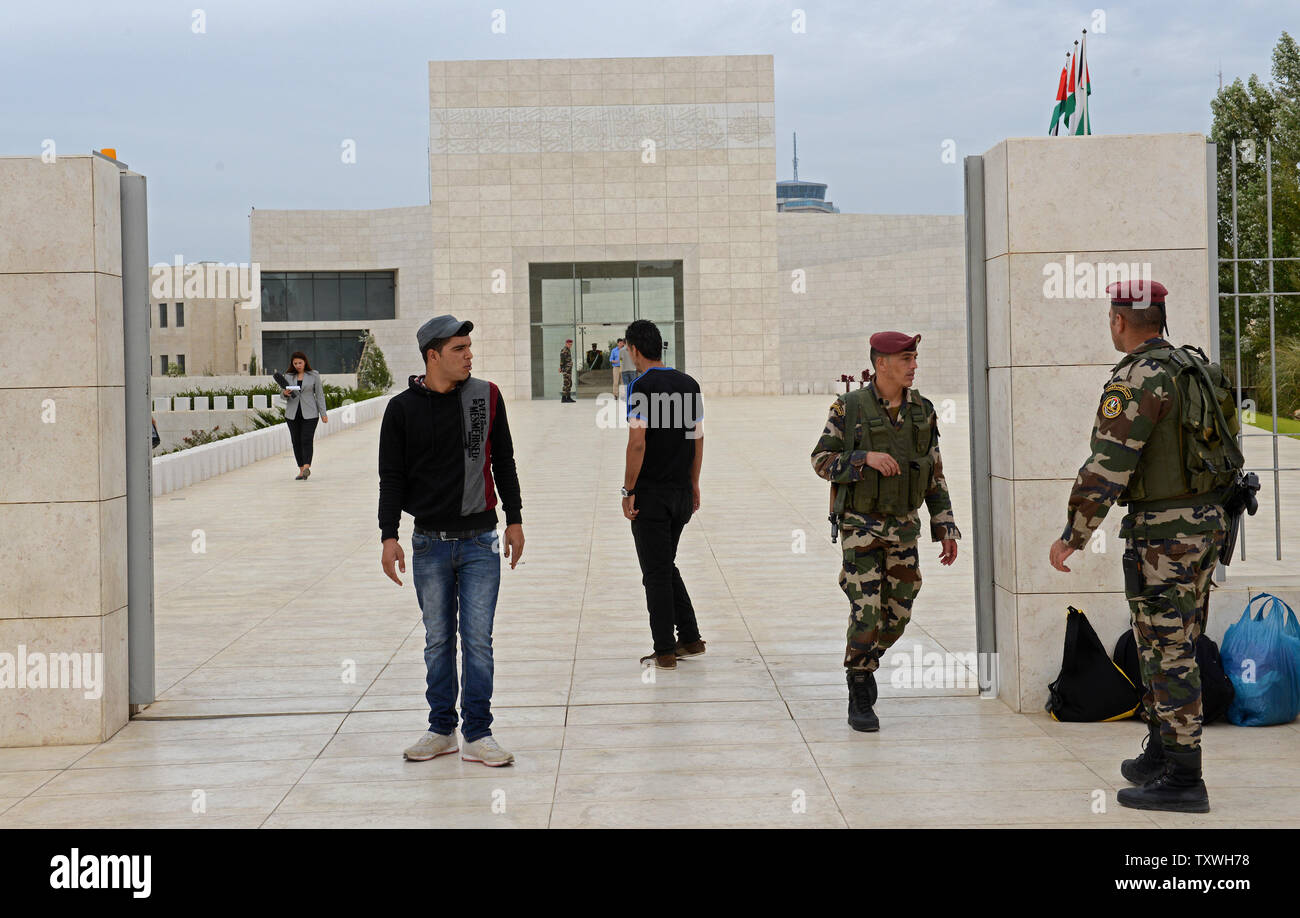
892,342
1142,292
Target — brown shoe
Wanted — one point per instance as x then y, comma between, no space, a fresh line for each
661,660
693,649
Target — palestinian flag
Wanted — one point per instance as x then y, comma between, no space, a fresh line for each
1077,120
1059,110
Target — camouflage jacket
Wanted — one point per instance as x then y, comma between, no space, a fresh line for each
828,461
1134,400
566,360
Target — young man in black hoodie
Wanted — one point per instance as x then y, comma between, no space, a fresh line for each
444,452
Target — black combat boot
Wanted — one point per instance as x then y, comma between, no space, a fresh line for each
862,695
1179,789
1151,763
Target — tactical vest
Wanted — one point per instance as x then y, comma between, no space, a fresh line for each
1192,453
909,444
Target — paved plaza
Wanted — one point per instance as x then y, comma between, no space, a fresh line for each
288,689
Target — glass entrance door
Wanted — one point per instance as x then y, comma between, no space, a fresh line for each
593,303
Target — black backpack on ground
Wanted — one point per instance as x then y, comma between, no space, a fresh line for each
1090,687
1216,688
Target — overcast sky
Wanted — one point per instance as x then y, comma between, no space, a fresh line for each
252,112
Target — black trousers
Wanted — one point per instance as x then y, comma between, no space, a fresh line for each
302,431
656,530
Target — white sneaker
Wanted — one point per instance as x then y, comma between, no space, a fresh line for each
431,745
487,751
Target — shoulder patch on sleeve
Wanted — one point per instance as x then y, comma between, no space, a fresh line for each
1114,399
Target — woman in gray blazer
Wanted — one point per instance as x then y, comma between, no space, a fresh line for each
302,407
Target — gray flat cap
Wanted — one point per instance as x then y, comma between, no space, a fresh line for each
442,327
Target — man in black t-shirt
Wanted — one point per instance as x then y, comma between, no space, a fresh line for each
661,488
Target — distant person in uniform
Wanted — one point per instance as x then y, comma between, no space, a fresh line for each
1172,475
302,408
566,370
880,451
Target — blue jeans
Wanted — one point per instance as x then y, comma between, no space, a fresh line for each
456,583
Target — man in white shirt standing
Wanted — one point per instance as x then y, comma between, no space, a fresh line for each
615,362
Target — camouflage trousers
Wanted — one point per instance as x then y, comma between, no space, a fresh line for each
881,580
1169,610
568,385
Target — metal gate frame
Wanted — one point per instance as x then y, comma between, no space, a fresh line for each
1236,294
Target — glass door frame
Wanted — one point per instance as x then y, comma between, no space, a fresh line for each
574,323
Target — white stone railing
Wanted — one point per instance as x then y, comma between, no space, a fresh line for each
216,403
199,463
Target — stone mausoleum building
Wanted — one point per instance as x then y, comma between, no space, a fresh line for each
569,197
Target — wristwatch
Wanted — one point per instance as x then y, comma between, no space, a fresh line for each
625,492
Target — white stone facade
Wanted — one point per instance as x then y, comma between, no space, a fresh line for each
663,159
63,572
1049,358
393,239
845,277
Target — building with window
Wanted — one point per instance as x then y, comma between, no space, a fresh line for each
199,320
569,197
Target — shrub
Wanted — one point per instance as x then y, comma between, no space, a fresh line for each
372,369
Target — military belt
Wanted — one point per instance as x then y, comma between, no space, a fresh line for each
1216,497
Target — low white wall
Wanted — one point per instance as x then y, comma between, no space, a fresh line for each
175,426
180,470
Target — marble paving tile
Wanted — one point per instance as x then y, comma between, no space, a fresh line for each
872,749
18,784
502,719
517,739
852,782
219,707
988,807
225,807
392,767
413,795
681,734
689,759
205,750
903,729
774,811
673,786
156,731
514,816
130,778
37,758
676,712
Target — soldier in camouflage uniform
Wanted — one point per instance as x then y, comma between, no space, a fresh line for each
566,370
882,471
1145,454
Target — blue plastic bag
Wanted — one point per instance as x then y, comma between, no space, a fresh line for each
1261,655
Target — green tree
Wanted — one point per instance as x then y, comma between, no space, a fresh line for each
372,368
1247,114
252,364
